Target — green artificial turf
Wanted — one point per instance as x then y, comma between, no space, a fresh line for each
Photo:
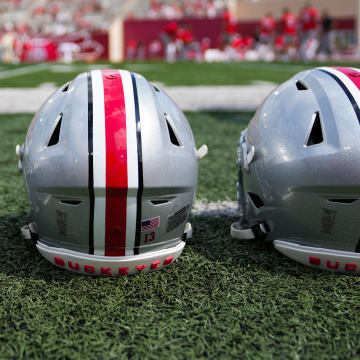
181,73
223,299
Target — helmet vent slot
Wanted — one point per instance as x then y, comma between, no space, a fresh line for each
156,88
54,139
159,202
316,134
66,87
173,138
357,249
301,86
256,200
71,202
342,201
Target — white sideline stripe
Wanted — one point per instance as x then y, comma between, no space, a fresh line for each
188,98
132,162
63,68
347,82
215,209
99,162
23,70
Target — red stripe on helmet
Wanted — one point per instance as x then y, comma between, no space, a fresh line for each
352,74
116,164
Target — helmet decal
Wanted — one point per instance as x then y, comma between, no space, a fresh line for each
349,80
116,123
91,165
140,167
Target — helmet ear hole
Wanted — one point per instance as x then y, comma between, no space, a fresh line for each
173,138
301,86
54,139
256,200
156,88
357,249
316,134
343,201
71,202
159,202
66,87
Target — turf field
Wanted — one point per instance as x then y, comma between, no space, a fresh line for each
185,73
223,299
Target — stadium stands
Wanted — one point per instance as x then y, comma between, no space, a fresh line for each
166,9
58,16
33,30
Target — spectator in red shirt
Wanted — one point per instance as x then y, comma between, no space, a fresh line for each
188,36
289,23
168,36
171,29
309,19
279,44
131,50
184,40
230,25
267,28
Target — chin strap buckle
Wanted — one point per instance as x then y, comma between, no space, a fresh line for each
201,152
29,232
257,231
19,150
188,231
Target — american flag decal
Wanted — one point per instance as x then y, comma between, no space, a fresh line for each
150,224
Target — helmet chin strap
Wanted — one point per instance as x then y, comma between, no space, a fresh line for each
19,150
29,232
188,231
241,230
256,231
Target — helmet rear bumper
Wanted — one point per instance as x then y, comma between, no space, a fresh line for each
326,259
109,265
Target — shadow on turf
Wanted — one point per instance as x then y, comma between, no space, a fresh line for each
211,239
20,257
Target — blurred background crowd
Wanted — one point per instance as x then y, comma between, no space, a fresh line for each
199,30
292,36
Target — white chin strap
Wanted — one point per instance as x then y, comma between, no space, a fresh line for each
237,231
201,152
29,232
19,150
188,231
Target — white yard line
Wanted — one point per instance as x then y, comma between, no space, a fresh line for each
77,68
219,98
23,70
215,209
274,67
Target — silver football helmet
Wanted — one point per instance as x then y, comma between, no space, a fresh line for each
299,177
110,169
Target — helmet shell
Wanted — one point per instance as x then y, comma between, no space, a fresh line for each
110,167
303,181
